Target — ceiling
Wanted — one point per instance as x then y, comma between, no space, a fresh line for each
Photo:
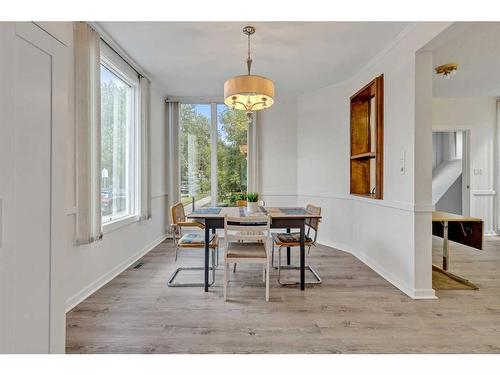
193,59
475,46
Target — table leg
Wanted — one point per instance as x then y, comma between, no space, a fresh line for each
207,253
445,246
288,253
302,256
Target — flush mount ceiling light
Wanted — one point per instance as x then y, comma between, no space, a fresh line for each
249,92
447,70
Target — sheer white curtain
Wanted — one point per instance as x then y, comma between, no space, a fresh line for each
253,155
144,97
88,133
172,117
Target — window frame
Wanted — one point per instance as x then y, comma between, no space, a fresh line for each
251,153
117,66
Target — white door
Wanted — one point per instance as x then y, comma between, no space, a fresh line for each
31,96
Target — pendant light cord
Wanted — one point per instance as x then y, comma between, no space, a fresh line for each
249,59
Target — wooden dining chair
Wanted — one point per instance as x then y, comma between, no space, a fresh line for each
193,241
247,241
293,240
243,203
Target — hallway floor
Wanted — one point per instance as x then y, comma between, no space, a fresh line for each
353,311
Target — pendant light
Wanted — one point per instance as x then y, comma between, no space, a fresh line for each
249,92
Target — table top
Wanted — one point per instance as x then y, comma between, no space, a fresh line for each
273,212
448,216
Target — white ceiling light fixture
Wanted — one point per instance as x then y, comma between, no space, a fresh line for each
447,70
249,92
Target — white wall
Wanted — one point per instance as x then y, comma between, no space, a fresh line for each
91,266
33,240
277,142
478,115
385,234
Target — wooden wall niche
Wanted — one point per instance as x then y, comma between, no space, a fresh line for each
367,140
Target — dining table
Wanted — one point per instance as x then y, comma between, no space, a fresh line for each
281,218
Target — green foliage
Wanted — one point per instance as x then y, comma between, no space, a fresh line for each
231,161
252,197
195,127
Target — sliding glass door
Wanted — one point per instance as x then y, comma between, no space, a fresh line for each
195,149
232,151
213,155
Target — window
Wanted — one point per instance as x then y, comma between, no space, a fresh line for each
232,152
195,154
213,154
119,139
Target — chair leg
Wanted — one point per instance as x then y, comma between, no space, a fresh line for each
263,273
213,265
272,255
176,250
234,268
226,266
267,280
279,263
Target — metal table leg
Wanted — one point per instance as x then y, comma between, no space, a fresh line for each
288,252
445,246
207,253
302,256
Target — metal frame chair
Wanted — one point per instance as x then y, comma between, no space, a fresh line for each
247,241
179,222
311,224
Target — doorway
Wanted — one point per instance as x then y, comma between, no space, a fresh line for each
450,171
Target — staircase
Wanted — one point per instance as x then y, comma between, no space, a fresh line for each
444,176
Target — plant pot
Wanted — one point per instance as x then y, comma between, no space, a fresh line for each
252,207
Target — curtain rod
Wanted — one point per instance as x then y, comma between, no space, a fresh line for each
115,47
194,99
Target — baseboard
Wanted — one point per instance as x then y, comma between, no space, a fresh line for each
391,278
106,278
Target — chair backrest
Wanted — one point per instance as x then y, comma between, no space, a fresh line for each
241,203
178,214
250,228
313,223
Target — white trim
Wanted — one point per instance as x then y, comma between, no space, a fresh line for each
119,50
279,193
195,99
71,210
79,297
486,192
113,225
159,195
398,205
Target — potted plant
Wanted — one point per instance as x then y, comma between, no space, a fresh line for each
252,202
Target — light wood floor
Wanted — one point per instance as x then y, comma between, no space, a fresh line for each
353,311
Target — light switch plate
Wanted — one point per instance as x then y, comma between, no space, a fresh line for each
402,165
